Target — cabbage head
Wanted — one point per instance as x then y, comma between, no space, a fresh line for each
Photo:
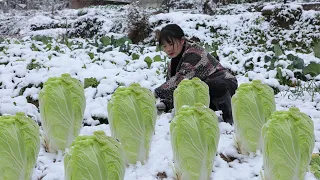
190,92
20,145
194,138
132,116
96,157
288,141
252,105
62,104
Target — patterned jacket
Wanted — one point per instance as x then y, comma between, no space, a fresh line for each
195,62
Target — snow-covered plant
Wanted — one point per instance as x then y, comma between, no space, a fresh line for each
20,145
317,49
288,141
190,92
137,21
62,103
287,15
252,104
97,157
184,4
132,115
194,138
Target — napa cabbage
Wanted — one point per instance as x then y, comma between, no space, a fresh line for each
96,157
252,105
190,92
20,145
288,141
62,103
194,138
132,115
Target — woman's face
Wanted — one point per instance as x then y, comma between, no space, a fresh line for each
174,48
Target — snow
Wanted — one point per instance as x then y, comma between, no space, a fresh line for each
114,68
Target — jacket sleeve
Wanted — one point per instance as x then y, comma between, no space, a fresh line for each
187,70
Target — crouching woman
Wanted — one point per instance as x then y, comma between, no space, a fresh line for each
189,60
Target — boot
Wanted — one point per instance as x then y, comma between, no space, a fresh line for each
224,104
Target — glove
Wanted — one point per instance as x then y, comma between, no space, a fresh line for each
161,106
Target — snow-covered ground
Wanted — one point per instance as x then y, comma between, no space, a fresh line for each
113,68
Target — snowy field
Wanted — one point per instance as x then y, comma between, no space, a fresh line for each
26,63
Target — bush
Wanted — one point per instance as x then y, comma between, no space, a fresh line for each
181,4
138,25
283,16
86,27
209,7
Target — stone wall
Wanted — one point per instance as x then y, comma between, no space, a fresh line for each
311,6
76,4
151,3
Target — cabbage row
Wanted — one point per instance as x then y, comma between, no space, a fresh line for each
286,138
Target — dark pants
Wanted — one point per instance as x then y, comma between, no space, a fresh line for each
219,86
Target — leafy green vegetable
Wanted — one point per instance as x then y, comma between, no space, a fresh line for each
190,92
252,104
288,141
297,63
148,60
132,115
317,49
313,69
194,137
97,157
90,82
20,145
34,47
135,56
315,165
277,50
62,104
33,65
157,58
91,55
105,40
43,39
122,41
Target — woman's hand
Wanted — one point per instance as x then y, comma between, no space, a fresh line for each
161,106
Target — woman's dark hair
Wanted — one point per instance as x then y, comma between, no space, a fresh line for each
170,33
